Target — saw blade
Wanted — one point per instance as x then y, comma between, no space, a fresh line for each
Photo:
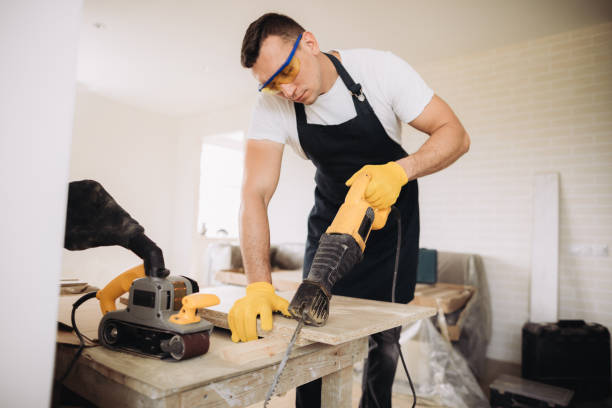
283,362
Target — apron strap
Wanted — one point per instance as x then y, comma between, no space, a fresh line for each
354,88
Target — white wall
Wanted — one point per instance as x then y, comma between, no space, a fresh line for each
293,200
191,248
536,106
133,154
288,208
38,63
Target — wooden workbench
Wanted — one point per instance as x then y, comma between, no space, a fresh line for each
234,374
114,379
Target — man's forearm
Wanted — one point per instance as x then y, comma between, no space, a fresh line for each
443,147
255,240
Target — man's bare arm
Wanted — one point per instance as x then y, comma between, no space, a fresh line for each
261,172
447,141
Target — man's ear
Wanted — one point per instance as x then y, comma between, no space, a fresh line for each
310,42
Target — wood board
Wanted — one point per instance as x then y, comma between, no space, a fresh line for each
448,297
349,318
454,331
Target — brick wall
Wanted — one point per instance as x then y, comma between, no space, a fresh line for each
537,106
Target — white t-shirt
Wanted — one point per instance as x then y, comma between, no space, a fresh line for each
396,92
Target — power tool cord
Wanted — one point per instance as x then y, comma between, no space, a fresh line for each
75,306
398,216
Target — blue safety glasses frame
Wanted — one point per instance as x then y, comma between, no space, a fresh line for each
278,71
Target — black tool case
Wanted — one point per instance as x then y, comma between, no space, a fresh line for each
511,392
570,354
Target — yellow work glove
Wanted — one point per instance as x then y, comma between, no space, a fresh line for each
260,300
386,181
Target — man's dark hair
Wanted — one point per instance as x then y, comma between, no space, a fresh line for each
266,25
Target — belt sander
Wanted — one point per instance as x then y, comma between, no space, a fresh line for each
160,319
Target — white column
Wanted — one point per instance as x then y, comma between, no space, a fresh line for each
544,303
38,54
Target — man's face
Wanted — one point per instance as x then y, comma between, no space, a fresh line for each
303,87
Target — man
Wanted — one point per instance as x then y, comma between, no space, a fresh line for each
341,110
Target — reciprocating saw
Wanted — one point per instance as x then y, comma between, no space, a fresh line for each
340,249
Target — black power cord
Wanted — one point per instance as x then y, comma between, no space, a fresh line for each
397,254
75,306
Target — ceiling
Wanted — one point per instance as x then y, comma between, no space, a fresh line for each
183,57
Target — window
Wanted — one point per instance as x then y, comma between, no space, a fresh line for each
221,166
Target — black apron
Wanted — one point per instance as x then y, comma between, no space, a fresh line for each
338,151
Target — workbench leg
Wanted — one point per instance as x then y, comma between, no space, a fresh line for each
336,389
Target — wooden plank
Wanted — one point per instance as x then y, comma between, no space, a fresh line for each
454,331
349,318
252,387
446,296
544,303
336,389
128,380
255,350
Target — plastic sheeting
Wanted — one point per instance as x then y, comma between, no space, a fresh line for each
438,372
467,269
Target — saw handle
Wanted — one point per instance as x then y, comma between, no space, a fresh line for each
191,304
117,287
356,194
356,216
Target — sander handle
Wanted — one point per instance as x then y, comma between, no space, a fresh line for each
117,287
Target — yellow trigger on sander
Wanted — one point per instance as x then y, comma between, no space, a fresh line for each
340,249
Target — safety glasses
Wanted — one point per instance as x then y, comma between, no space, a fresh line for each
285,74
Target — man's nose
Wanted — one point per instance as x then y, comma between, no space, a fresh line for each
288,90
